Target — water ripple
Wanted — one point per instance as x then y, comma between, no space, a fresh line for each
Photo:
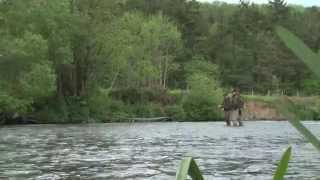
153,151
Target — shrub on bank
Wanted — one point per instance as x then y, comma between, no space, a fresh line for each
148,110
105,108
53,112
176,112
63,110
177,95
203,100
136,96
78,110
100,106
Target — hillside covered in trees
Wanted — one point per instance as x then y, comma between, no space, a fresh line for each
102,60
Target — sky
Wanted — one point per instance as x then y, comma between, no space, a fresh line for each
298,2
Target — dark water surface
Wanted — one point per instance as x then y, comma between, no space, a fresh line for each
153,151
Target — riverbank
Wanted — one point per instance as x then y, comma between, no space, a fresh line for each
265,108
172,106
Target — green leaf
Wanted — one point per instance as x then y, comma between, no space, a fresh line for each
284,106
188,167
310,58
306,133
283,165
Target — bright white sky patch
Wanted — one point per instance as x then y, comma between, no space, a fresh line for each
298,2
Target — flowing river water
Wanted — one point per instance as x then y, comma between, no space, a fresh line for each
153,151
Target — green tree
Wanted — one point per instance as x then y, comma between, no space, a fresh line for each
203,99
26,73
144,50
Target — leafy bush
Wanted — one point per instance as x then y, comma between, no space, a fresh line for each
64,110
26,74
316,109
176,112
148,110
177,95
78,110
97,103
39,82
199,65
143,96
10,104
203,99
116,109
106,108
312,86
53,112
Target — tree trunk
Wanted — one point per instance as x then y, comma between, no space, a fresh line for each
165,73
66,80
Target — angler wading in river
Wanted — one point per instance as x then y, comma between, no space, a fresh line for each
233,106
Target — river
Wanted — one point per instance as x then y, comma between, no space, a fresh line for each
147,151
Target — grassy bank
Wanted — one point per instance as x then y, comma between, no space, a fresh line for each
123,105
178,105
304,108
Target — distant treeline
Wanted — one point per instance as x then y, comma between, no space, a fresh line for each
78,60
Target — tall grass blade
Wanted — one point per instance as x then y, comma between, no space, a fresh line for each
188,166
284,105
283,165
310,58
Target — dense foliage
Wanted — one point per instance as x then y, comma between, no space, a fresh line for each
83,60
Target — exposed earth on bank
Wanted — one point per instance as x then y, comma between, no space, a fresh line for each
255,110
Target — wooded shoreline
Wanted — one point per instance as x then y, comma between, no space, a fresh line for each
80,61
257,108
